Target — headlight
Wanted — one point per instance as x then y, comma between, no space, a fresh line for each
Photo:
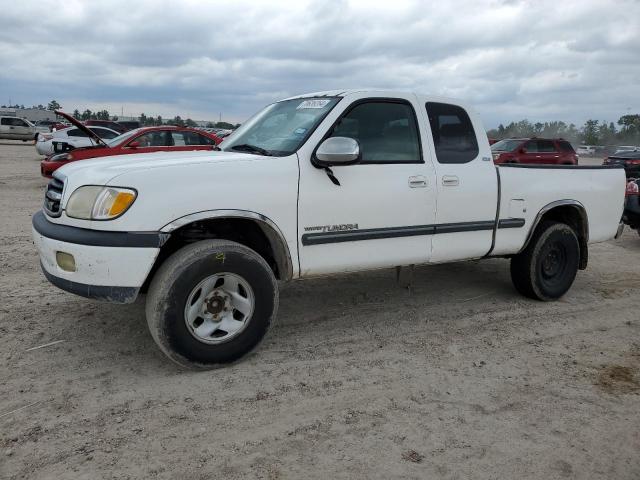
99,203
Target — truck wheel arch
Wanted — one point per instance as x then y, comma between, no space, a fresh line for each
230,225
570,212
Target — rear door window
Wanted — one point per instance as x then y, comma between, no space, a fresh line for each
546,146
531,146
76,132
453,135
179,139
6,121
565,146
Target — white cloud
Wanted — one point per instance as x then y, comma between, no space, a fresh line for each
543,60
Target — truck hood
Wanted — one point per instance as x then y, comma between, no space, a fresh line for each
100,171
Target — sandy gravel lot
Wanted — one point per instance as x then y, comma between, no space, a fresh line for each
458,378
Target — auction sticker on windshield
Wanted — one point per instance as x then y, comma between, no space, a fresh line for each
313,104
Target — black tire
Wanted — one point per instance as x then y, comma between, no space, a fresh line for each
174,282
546,269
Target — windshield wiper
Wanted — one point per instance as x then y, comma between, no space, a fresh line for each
245,147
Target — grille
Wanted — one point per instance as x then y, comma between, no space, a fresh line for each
52,197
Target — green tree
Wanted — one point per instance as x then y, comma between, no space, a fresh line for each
53,105
158,120
76,113
590,132
86,115
190,123
142,119
103,115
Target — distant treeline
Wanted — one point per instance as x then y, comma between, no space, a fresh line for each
144,120
593,132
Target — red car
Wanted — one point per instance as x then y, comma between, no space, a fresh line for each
534,150
141,140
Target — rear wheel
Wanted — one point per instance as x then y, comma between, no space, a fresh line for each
546,269
210,303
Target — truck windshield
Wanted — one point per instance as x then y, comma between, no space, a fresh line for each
505,145
281,128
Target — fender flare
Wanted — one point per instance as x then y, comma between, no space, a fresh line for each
271,230
583,236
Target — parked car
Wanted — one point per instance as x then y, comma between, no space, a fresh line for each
586,150
71,138
625,148
116,126
534,151
14,128
631,215
630,160
223,133
45,126
59,126
312,185
129,124
141,140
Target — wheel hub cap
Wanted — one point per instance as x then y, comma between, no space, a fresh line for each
219,308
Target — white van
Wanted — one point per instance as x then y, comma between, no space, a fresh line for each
585,150
14,128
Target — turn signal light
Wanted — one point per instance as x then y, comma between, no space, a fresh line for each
121,203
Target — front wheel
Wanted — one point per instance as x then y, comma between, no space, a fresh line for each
210,303
546,269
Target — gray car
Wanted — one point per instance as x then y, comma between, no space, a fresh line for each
14,128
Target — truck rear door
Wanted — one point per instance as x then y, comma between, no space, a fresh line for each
466,181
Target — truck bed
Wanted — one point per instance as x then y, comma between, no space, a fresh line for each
526,190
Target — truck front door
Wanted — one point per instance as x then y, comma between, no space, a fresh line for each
383,211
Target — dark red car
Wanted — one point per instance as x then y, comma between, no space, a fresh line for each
534,151
141,140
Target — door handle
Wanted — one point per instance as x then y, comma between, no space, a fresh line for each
450,181
417,182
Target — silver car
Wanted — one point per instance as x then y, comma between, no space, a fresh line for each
14,128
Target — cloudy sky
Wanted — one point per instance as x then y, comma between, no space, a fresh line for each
542,60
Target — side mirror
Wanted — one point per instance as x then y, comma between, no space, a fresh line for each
134,145
336,151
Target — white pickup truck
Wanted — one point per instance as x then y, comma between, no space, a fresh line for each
316,184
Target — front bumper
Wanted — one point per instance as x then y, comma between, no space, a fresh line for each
109,266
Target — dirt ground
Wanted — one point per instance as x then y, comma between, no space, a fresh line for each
459,377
